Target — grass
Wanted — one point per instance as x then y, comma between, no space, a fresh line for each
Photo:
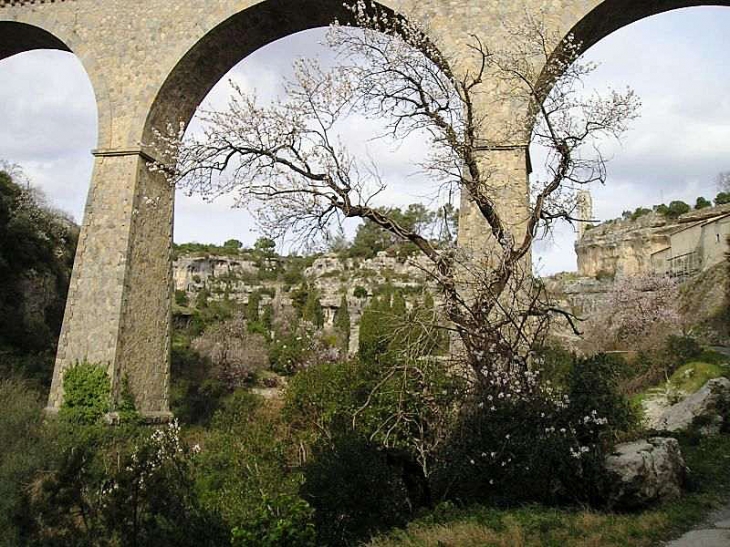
535,525
692,376
688,378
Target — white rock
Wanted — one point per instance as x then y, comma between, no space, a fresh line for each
701,403
645,472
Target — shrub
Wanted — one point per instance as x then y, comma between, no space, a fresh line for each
23,452
702,203
722,198
353,490
181,298
246,475
360,292
122,486
676,208
285,520
86,393
520,439
682,349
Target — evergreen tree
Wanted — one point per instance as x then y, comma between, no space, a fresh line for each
252,307
312,310
374,331
398,307
342,323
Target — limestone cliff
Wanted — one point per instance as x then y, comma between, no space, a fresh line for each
237,278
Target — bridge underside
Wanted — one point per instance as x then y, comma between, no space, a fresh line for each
151,62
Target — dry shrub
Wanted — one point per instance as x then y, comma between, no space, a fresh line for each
235,353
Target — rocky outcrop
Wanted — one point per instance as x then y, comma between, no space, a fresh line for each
236,278
645,472
624,247
702,405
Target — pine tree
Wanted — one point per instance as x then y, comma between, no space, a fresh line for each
312,310
252,307
342,323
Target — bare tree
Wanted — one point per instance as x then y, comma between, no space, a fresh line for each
235,353
287,157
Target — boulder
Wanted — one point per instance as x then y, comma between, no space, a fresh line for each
645,472
704,404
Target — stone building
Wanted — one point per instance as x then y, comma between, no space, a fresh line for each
654,243
695,247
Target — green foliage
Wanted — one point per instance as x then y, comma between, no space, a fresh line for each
524,441
246,477
578,526
121,486
360,292
232,244
639,212
702,203
266,246
722,198
677,208
252,307
181,298
556,365
312,310
285,520
86,393
195,393
673,210
23,453
662,209
37,247
342,323
354,490
681,349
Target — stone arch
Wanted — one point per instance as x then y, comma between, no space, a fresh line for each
18,37
611,15
221,48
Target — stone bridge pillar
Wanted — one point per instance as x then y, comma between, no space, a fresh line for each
118,308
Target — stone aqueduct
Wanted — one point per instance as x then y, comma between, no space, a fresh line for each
152,62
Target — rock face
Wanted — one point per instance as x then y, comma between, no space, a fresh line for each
645,472
624,247
236,278
702,404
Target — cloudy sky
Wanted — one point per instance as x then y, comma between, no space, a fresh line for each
677,63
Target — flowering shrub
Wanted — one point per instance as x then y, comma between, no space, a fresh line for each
520,438
639,314
122,486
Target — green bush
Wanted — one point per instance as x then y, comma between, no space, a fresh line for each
285,520
122,486
354,491
522,440
682,349
23,453
702,203
86,393
360,292
246,475
722,198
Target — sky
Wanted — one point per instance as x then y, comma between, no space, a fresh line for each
677,63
